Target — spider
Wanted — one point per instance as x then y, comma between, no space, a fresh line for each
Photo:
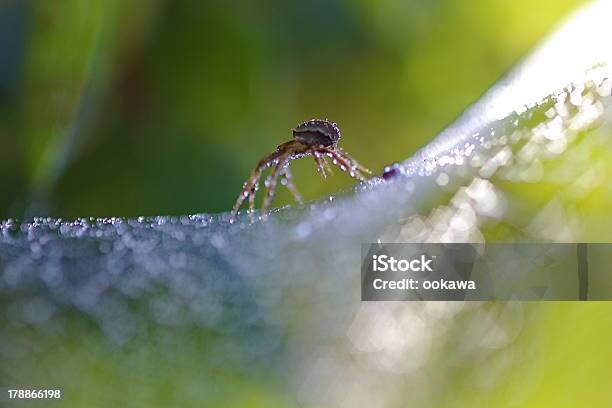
316,137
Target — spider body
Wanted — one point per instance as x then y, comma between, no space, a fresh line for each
316,137
317,132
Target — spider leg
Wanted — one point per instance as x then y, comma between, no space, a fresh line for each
248,190
327,166
361,168
288,182
250,186
321,163
272,180
252,202
323,166
292,152
344,163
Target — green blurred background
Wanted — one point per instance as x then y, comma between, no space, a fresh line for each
147,107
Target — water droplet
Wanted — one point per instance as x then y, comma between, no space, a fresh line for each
442,179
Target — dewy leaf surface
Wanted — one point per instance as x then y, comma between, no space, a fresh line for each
176,298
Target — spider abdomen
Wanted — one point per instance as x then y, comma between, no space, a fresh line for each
317,132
